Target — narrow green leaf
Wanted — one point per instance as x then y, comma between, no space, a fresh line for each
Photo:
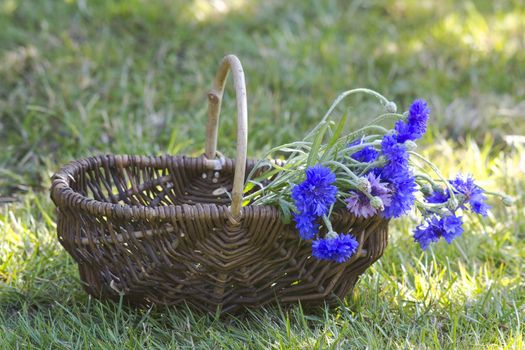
338,130
285,208
248,187
312,157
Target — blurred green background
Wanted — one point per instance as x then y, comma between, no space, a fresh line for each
87,77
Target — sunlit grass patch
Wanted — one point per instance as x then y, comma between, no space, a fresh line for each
469,292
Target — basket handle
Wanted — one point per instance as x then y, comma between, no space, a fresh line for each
232,63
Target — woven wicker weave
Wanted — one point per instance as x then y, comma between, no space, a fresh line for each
164,229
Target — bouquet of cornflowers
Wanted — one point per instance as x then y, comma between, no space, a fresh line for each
371,171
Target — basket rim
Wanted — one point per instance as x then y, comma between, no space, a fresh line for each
64,196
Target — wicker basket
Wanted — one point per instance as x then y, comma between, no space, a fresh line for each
162,229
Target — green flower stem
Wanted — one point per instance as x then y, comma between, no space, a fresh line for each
328,224
438,173
355,148
341,145
274,186
352,184
344,167
501,195
426,178
354,134
377,164
364,167
387,116
370,127
423,208
432,205
354,187
341,97
293,147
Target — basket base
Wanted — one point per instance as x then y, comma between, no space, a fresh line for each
97,285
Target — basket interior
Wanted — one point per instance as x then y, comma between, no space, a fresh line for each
181,180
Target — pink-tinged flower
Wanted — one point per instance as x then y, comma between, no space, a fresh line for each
359,204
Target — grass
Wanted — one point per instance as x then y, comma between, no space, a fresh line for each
81,78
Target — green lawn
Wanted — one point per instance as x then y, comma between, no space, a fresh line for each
106,76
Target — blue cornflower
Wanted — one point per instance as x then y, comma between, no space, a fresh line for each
427,232
418,115
402,185
306,225
438,196
416,123
396,170
451,227
315,194
338,249
434,227
396,173
464,185
365,155
359,204
474,195
395,154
